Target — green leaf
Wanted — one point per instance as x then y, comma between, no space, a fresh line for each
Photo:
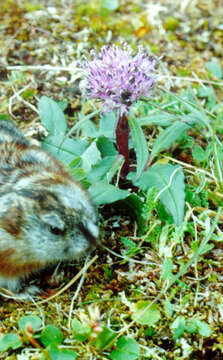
116,166
89,129
135,205
51,335
107,125
90,157
139,143
169,137
4,117
178,326
106,147
61,354
198,326
169,179
203,328
205,92
104,338
215,68
167,268
100,170
34,321
81,332
64,149
145,316
52,116
103,193
195,117
75,163
208,92
157,119
10,341
149,205
127,349
169,308
199,154
110,5
191,326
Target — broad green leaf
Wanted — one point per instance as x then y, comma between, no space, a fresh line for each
145,314
90,157
110,5
75,164
78,174
188,95
104,338
205,92
51,335
103,193
215,68
127,349
116,166
168,137
34,321
10,341
89,129
158,119
4,117
81,332
64,149
106,147
178,327
61,354
195,117
199,154
100,170
169,180
52,116
139,143
198,326
107,125
203,328
208,92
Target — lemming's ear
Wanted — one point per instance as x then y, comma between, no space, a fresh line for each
53,220
11,216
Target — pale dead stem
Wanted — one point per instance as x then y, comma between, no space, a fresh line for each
17,96
191,79
189,166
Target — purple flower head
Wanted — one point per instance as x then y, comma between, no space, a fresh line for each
118,77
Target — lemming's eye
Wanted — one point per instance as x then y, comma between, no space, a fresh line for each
56,231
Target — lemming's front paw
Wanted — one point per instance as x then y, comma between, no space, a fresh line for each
26,293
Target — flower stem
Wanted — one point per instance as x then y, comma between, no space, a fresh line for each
122,138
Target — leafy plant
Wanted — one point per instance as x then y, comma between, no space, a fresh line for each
96,163
48,340
192,326
127,349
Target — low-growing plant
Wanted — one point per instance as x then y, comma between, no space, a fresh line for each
47,340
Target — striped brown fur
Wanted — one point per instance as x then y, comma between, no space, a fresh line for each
45,216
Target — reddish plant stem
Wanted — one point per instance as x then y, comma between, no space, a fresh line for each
122,139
